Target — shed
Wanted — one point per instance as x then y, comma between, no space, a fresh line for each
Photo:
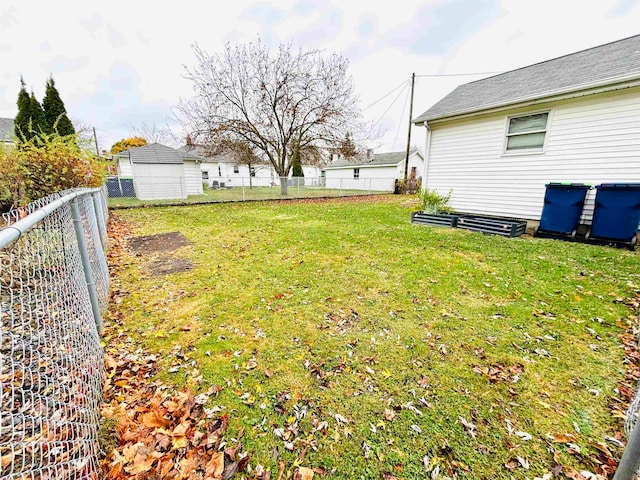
495,143
160,172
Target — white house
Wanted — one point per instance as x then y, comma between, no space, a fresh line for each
223,171
160,172
495,143
378,173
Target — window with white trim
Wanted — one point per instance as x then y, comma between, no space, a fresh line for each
356,173
236,169
526,133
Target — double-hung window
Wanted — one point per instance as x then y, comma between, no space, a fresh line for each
356,173
526,133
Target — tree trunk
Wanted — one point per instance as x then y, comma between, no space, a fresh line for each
283,186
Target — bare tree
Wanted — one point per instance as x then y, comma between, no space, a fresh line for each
156,134
271,101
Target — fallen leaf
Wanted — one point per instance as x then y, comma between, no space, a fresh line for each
154,419
524,435
215,466
389,414
303,473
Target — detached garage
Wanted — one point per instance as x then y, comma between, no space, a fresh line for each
160,172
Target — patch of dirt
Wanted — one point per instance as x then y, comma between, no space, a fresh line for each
167,265
160,242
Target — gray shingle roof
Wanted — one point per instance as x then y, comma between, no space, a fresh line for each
604,64
389,158
6,130
157,153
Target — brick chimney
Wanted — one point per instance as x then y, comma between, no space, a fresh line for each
369,154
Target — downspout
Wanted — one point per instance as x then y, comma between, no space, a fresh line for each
427,152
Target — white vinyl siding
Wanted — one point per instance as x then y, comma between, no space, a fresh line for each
124,167
371,177
193,177
592,139
153,181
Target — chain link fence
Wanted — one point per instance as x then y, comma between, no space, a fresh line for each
54,285
141,190
629,467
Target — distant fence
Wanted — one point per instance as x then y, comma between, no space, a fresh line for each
125,191
54,286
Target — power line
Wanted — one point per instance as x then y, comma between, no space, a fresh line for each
386,95
404,106
391,105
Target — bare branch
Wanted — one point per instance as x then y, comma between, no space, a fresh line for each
271,102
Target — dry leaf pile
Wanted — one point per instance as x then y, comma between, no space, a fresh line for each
163,433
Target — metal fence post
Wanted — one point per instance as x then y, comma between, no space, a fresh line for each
242,181
630,461
86,264
102,225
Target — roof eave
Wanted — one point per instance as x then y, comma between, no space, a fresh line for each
619,83
365,165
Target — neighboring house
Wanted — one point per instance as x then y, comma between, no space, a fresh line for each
495,143
223,171
160,172
378,172
7,132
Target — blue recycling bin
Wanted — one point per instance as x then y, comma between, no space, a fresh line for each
563,203
616,214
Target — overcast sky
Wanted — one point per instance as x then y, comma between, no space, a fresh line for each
120,64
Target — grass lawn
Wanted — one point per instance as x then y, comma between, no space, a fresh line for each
350,340
236,194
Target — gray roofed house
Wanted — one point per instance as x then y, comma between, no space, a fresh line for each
495,143
378,172
379,159
607,64
6,130
158,153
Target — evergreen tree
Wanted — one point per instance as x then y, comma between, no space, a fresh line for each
38,122
54,111
22,120
296,162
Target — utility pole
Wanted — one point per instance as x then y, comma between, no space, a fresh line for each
406,160
95,139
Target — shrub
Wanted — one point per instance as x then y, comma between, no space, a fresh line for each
432,202
12,179
43,165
